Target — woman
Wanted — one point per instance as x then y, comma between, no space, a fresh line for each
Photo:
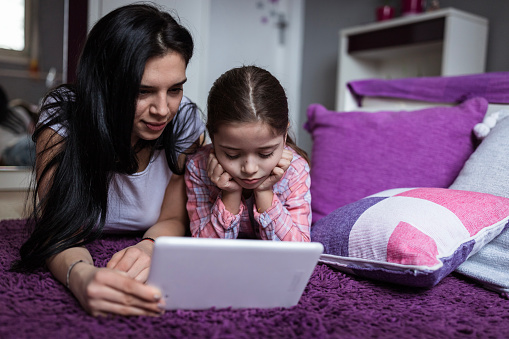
110,157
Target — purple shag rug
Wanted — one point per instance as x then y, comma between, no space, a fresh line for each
334,305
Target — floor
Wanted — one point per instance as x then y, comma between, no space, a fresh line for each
12,204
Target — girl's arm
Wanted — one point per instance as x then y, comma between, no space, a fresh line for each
289,219
209,217
100,291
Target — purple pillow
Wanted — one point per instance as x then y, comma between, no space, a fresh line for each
356,154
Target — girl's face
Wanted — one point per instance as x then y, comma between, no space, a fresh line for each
248,151
159,97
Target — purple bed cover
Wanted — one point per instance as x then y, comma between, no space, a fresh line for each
334,305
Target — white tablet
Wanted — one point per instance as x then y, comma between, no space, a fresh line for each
197,273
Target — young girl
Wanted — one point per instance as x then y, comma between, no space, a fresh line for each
252,181
110,159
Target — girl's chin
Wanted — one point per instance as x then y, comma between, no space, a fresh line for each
250,184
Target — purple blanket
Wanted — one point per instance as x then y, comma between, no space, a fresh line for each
494,87
334,305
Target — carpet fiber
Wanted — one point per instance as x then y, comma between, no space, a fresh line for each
334,305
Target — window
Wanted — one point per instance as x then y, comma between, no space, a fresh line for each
15,31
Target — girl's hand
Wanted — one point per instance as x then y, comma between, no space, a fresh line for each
277,172
134,260
220,177
103,291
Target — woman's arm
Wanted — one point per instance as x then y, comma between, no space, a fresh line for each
99,290
103,291
173,221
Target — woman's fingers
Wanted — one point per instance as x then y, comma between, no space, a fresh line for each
115,292
132,260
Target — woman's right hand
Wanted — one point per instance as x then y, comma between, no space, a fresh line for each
104,291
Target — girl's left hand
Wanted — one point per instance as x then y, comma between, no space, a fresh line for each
134,260
277,172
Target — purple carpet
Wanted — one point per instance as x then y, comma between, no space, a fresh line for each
334,305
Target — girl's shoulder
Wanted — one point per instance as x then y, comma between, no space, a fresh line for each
298,161
200,157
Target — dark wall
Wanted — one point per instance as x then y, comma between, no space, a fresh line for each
32,87
325,18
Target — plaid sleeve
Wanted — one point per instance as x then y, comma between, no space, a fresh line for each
208,216
289,217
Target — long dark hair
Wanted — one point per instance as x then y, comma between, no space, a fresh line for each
249,94
98,112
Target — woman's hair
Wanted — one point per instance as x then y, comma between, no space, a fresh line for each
98,113
249,94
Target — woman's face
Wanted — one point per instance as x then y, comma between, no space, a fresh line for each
248,151
159,97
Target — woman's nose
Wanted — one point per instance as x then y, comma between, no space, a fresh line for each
160,105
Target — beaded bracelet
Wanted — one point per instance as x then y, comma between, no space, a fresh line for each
69,271
151,239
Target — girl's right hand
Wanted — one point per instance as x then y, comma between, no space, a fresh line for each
219,177
104,291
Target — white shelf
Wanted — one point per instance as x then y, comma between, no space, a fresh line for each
444,42
13,178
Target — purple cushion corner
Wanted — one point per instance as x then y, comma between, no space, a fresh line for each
356,154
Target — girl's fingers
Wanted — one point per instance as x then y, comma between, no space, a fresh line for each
285,160
278,173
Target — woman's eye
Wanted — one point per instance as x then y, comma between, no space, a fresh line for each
231,157
176,90
265,156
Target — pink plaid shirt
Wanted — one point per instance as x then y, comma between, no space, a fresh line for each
288,219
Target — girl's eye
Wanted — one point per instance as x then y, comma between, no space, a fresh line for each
144,92
266,156
231,157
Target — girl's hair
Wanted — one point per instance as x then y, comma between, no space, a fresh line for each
98,113
249,94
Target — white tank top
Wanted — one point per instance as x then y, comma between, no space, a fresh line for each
134,201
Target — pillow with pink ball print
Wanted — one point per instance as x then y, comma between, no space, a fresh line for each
410,236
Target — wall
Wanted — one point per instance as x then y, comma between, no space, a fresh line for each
51,27
230,33
324,19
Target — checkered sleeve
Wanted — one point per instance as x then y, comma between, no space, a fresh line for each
289,217
208,216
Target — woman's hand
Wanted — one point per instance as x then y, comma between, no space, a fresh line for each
277,172
134,260
103,291
220,177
